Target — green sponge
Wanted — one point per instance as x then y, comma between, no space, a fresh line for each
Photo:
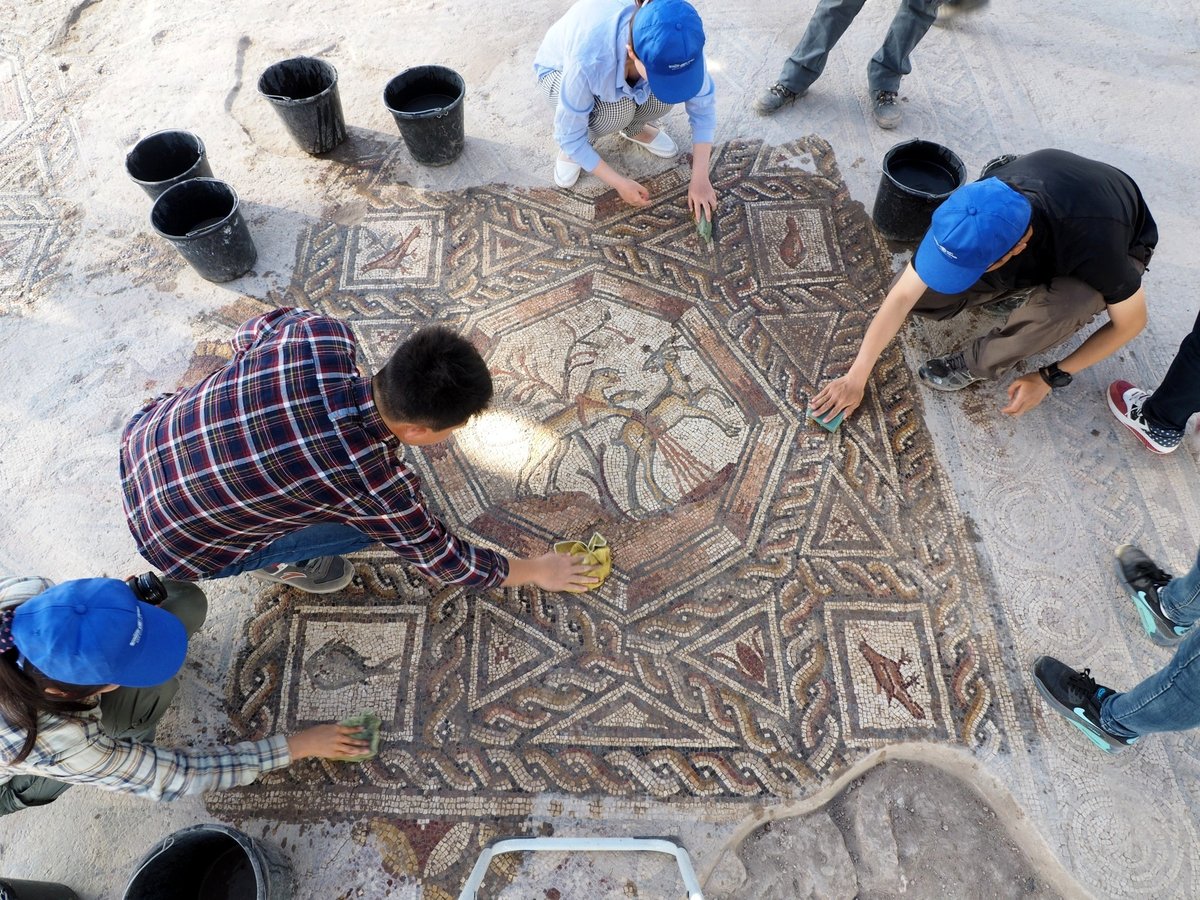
367,724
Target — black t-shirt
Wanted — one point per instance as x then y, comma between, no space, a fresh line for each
1088,220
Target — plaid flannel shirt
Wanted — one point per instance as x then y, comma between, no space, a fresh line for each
285,436
73,748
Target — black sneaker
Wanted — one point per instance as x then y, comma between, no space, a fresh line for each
1143,579
885,109
775,98
947,373
1076,697
322,575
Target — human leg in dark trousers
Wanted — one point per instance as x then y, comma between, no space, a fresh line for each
1178,397
1158,420
126,713
891,62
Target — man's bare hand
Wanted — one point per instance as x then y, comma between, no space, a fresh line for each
552,572
633,193
1025,393
842,395
330,741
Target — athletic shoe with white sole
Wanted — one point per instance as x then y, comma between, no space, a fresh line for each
322,575
1126,403
1076,697
947,373
1143,580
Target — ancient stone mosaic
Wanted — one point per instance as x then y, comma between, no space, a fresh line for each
782,599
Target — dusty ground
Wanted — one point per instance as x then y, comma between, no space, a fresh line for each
84,333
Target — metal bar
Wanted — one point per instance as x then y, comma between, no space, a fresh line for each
583,845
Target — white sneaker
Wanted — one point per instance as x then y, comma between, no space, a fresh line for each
566,172
662,145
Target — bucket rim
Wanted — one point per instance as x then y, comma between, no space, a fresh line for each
280,100
437,113
960,169
203,152
207,229
249,846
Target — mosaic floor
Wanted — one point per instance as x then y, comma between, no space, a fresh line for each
782,599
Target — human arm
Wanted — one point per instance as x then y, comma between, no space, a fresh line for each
1126,320
844,394
702,116
76,750
550,572
701,196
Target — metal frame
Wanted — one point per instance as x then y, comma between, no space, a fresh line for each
583,845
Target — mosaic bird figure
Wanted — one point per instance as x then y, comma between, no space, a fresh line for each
337,665
890,680
397,256
792,250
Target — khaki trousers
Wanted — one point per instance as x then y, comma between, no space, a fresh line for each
1053,313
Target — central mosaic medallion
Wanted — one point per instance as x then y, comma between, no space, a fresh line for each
782,599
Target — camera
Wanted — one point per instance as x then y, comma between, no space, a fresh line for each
148,588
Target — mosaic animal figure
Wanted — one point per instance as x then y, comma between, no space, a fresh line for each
890,680
397,257
647,434
337,665
595,402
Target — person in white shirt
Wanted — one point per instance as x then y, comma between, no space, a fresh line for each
611,66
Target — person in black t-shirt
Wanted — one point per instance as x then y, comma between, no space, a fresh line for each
1051,236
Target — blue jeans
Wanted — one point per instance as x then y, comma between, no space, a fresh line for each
1169,700
299,546
830,21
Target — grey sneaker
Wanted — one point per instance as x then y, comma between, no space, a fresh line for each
952,9
322,575
774,99
947,373
886,109
1142,580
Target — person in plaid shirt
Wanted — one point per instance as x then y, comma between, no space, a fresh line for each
87,670
287,457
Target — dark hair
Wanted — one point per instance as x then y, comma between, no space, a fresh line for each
436,378
23,697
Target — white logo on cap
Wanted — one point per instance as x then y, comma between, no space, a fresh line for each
137,632
938,244
682,65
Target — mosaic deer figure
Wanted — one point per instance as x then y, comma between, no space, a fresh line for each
591,405
647,434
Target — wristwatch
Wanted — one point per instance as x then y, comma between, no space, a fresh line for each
1054,376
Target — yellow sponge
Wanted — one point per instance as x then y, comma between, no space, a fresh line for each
597,555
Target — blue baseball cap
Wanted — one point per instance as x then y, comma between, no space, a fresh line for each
95,631
970,231
668,37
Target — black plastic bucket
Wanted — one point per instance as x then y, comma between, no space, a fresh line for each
304,92
202,218
18,889
917,176
427,103
166,158
211,862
